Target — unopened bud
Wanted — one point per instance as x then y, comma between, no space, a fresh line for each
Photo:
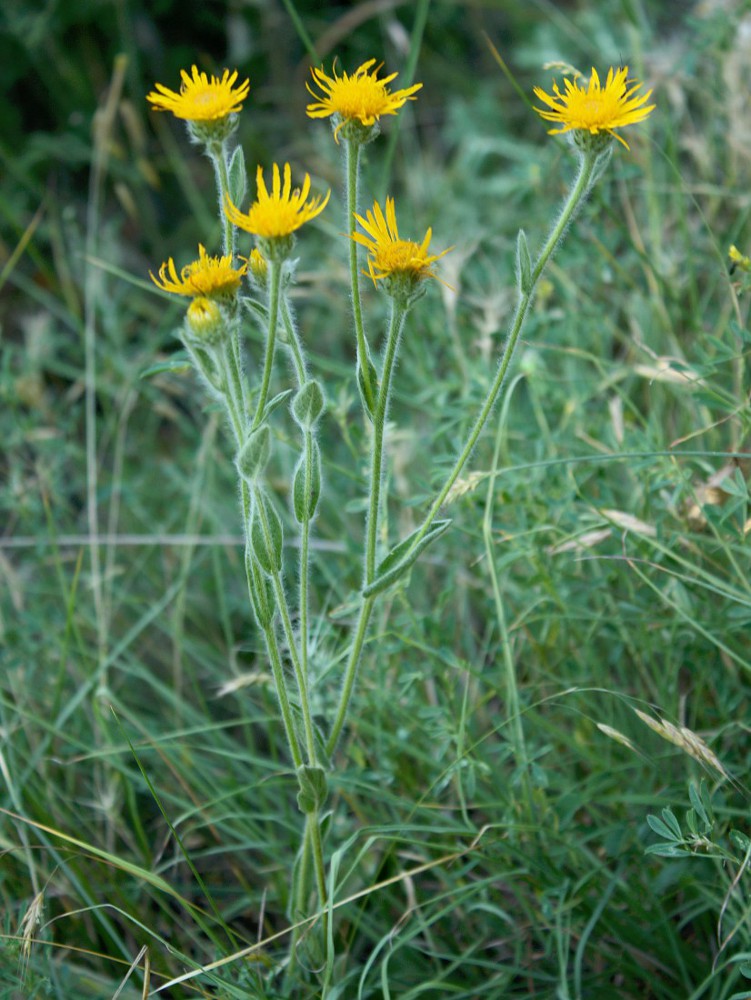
204,321
258,268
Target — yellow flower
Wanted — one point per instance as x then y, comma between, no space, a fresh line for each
207,276
400,264
275,217
597,109
201,99
738,260
359,97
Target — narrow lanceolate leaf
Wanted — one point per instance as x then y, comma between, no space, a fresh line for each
373,386
401,557
266,535
261,595
254,454
306,487
523,264
274,403
238,177
179,362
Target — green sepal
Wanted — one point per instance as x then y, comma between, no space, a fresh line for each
266,534
179,362
401,557
308,404
305,504
261,594
373,386
237,177
274,403
313,788
523,264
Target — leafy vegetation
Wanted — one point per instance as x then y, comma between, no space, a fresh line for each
596,564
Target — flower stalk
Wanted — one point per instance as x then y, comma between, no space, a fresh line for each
577,194
352,159
275,277
401,268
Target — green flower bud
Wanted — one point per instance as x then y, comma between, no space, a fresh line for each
204,321
258,269
276,248
212,133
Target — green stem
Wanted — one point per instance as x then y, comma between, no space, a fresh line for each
352,155
311,845
305,558
379,425
398,314
293,342
512,689
312,839
314,826
289,635
350,673
275,276
272,647
298,358
233,396
218,153
302,681
578,192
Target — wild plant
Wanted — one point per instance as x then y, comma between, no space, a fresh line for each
229,291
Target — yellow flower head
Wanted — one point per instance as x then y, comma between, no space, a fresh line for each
738,260
201,99
357,98
275,217
400,264
596,109
213,277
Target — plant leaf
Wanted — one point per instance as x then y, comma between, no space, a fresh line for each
401,557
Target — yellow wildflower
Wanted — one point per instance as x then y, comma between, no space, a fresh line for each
357,98
596,109
274,217
738,260
400,264
207,276
201,99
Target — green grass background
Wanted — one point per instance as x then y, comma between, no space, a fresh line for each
147,797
